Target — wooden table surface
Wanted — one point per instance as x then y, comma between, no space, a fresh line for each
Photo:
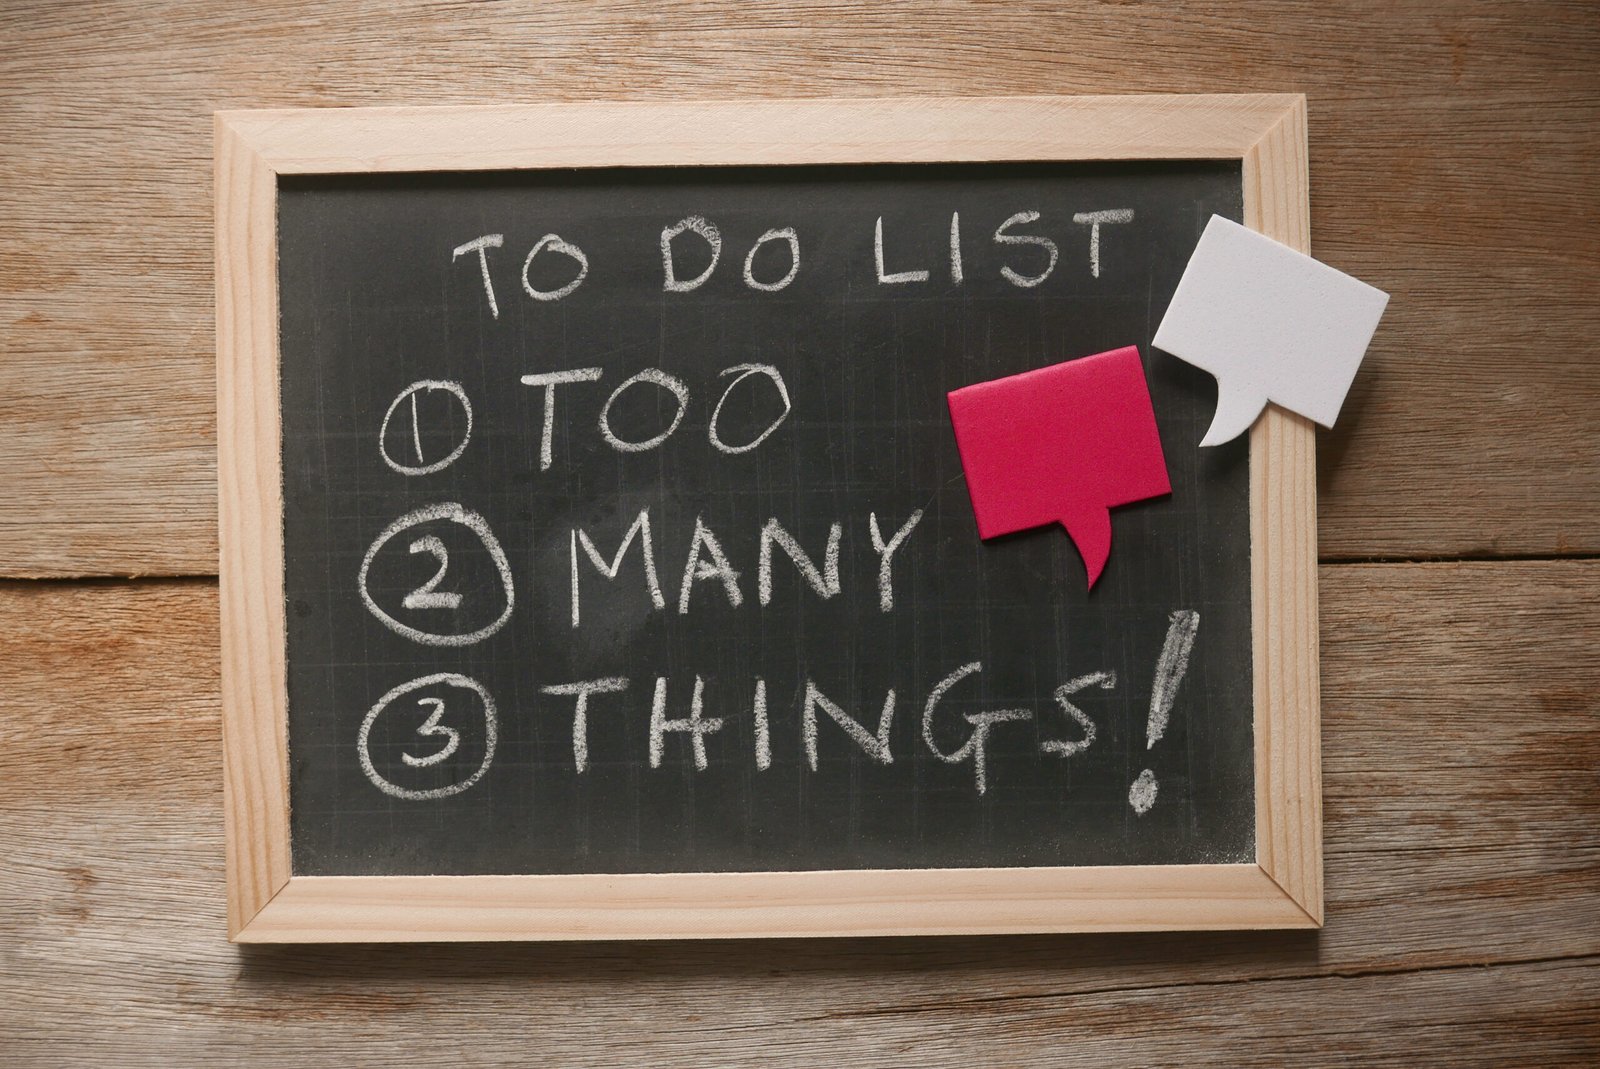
1455,162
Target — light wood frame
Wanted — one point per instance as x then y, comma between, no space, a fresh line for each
267,903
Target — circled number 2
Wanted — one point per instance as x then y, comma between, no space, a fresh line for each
428,595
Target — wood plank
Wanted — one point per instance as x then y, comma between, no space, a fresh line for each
1283,574
250,518
919,129
1450,158
1462,730
773,905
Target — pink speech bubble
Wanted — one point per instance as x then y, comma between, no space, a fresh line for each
1063,444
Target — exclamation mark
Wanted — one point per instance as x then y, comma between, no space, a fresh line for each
1170,667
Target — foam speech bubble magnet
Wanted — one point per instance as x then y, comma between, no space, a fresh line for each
1271,324
1063,444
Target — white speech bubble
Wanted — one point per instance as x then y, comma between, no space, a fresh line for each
1271,324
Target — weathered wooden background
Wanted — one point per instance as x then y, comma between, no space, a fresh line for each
1455,149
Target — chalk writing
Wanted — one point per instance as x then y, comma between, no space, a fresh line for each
463,692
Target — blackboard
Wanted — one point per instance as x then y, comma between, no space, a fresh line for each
451,358
405,302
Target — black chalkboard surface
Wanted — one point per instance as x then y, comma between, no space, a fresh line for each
439,510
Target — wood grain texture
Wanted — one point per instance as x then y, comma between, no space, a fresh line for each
1283,574
1288,751
760,133
1462,731
1452,151
250,515
771,905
